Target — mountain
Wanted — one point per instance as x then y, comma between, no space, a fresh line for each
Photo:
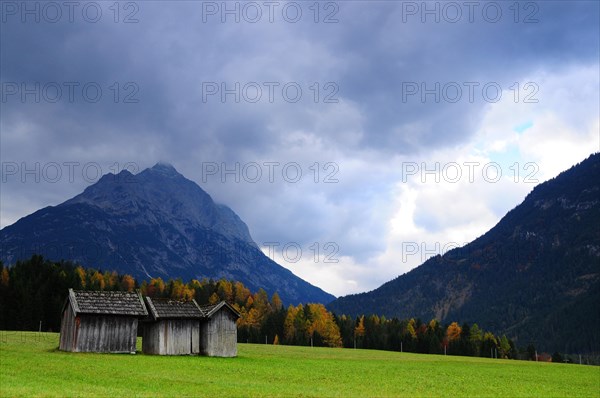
535,276
156,223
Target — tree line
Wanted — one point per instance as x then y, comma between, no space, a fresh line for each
35,291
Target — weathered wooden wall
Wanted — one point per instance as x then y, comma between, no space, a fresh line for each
107,333
172,337
98,333
218,335
67,330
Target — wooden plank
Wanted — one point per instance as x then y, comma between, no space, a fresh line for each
107,334
67,330
172,337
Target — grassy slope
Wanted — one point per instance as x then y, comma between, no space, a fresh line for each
31,365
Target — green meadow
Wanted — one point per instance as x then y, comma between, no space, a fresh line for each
31,365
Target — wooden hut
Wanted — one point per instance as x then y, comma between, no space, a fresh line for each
101,321
173,327
218,330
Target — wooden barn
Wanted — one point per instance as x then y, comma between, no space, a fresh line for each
173,327
101,321
218,330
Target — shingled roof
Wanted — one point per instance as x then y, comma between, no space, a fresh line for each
161,308
107,303
210,310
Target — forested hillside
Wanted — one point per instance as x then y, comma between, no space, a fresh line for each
535,276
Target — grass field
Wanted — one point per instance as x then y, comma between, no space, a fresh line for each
30,365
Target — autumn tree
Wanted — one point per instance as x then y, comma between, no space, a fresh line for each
5,280
241,293
127,283
156,287
322,325
110,280
194,284
410,329
261,302
214,299
225,290
453,332
97,281
433,325
179,291
80,273
276,302
289,325
295,326
359,330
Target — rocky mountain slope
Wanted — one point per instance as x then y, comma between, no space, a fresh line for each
156,223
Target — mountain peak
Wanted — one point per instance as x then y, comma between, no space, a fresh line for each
156,223
165,169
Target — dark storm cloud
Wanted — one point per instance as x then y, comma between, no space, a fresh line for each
164,62
170,53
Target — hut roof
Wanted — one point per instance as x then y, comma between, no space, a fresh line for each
107,303
210,310
173,309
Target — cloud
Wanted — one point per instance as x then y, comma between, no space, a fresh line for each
350,132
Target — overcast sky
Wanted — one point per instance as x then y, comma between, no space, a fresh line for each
369,134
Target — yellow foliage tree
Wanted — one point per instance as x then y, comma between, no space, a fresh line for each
177,289
156,287
433,324
276,302
321,321
110,279
80,272
253,318
194,284
214,298
242,293
410,329
359,330
225,290
289,325
97,280
243,317
453,332
128,283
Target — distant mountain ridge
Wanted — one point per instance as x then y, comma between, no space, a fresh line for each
155,223
535,276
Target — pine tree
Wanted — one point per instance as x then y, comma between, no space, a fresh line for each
504,347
